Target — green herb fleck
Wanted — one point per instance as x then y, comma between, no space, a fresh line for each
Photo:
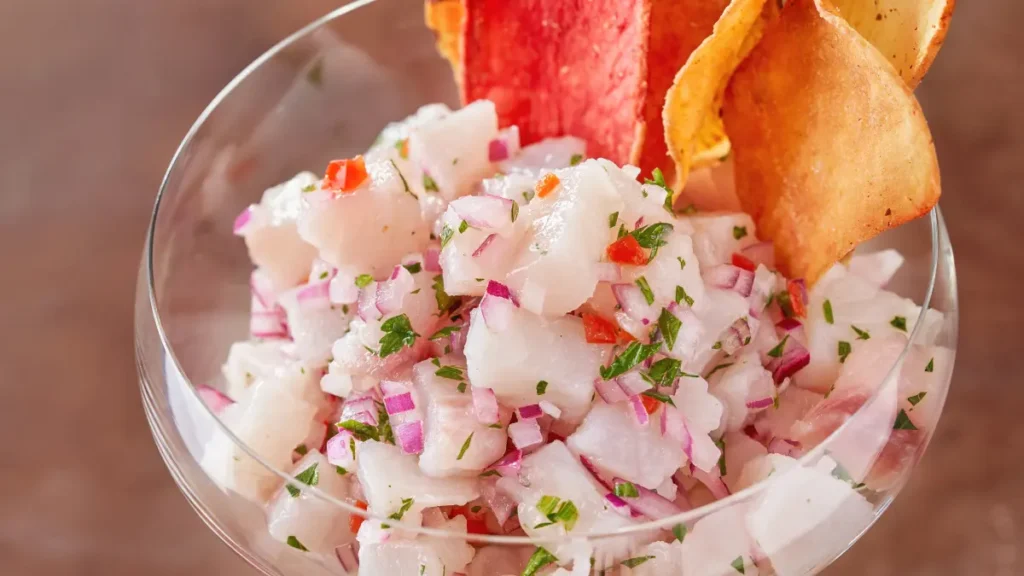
717,345
344,308
398,333
659,397
682,263
931,366
363,280
645,288
413,268
463,226
309,188
738,565
613,219
679,531
490,473
682,296
515,210
626,490
294,543
444,332
652,237
669,325
360,430
916,398
717,368
721,459
542,387
903,422
899,323
622,233
664,372
315,75
827,307
406,505
844,351
449,372
341,471
461,387
634,354
575,159
540,558
739,232
444,301
776,352
429,184
465,446
405,184
861,334
636,561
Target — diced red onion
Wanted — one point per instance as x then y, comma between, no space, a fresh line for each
268,325
392,293
497,150
608,272
632,383
500,290
639,222
792,327
529,411
525,433
339,452
618,504
550,409
348,556
736,336
639,411
609,391
483,245
793,359
729,277
673,425
432,259
761,253
800,287
409,436
760,403
649,503
485,405
509,464
262,288
342,289
399,403
366,304
497,312
713,482
784,446
596,473
243,220
216,400
314,295
633,303
484,212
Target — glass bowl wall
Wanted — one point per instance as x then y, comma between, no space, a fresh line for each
325,93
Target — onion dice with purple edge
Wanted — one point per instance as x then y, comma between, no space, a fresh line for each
715,239
738,386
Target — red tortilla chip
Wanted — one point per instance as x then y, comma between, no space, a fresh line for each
561,68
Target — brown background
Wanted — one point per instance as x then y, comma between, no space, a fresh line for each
96,94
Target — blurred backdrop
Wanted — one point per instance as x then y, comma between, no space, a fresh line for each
94,98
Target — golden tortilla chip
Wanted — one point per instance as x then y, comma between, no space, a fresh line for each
829,144
908,33
445,17
691,114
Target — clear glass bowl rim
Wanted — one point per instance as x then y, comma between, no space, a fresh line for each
936,223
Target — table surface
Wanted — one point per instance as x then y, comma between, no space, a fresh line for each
95,97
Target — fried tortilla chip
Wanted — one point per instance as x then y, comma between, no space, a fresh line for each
830,146
444,17
907,32
693,127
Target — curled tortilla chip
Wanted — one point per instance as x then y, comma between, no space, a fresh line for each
693,128
444,17
908,33
830,146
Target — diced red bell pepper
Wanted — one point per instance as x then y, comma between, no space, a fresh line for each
546,185
650,404
345,175
627,250
598,330
796,298
741,261
355,520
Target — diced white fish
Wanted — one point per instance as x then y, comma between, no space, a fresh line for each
763,467
717,312
423,555
718,236
369,229
453,149
659,559
745,380
739,450
925,372
557,268
499,559
270,421
719,544
531,349
314,325
793,404
612,439
674,265
455,442
272,237
518,186
643,204
316,523
468,262
876,267
555,471
388,475
548,154
703,414
805,517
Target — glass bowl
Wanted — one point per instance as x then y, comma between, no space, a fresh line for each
324,93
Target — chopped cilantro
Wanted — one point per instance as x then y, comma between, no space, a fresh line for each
652,236
323,275
309,188
861,334
444,332
360,430
444,301
455,161
931,366
827,307
658,179
634,354
463,226
406,505
450,372
465,446
903,422
398,333
429,184
664,372
495,426
413,268
461,387
575,159
682,263
405,184
344,308
363,280
668,203
776,352
446,235
527,195
645,288
475,509
717,345
400,145
679,531
659,397
738,565
844,350
540,558
622,232
294,543
315,75
635,561
739,232
515,210
721,459
682,296
916,398
717,368
341,471
690,209
542,387
899,323
669,325
613,219
301,450
490,473
626,490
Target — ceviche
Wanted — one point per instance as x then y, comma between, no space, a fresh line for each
458,332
